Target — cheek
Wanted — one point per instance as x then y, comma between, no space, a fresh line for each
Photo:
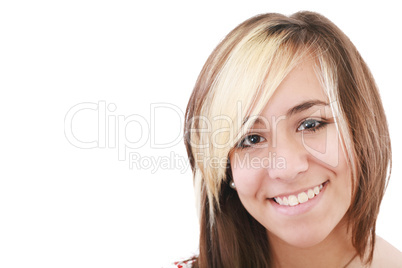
325,146
344,176
342,179
247,179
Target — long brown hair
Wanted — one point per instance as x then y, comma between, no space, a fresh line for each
247,67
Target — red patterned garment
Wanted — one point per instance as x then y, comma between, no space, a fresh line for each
182,264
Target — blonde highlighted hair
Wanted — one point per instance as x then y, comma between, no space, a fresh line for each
234,86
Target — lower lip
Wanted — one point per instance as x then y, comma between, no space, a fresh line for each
300,208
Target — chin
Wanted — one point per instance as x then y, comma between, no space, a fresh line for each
305,241
301,237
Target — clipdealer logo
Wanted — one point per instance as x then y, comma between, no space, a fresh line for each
113,133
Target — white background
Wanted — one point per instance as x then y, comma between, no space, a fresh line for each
62,206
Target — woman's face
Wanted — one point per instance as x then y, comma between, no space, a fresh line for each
290,171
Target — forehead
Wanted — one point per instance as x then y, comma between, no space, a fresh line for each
299,86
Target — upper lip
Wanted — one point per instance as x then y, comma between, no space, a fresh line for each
298,191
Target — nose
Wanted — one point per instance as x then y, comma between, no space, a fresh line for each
289,151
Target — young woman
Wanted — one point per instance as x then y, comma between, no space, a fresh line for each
290,151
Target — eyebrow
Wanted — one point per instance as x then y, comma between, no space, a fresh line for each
304,106
296,109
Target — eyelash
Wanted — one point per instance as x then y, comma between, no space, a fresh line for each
244,140
319,124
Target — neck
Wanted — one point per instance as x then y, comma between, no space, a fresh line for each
336,250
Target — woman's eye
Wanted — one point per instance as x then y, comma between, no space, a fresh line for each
251,140
311,125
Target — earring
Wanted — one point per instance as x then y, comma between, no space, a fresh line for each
232,185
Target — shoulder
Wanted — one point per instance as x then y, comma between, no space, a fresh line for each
386,255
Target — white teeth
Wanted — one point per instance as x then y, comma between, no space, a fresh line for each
316,190
310,193
303,197
293,200
278,200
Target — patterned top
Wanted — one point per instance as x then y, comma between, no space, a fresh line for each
183,264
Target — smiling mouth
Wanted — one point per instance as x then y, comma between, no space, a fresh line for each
300,198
